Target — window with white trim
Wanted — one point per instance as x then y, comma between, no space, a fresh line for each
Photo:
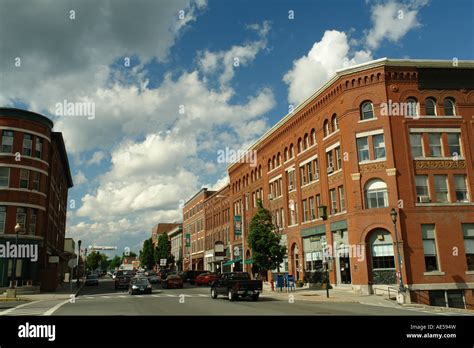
7,141
4,177
376,194
429,247
460,188
24,178
441,188
27,144
468,233
3,216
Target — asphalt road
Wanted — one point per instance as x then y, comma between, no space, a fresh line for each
192,300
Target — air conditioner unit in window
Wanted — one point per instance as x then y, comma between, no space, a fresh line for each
290,187
330,169
270,197
424,199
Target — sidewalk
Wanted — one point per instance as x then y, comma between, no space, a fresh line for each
62,293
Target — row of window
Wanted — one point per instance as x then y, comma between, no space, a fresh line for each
196,226
29,179
437,188
27,219
218,219
193,211
7,144
436,144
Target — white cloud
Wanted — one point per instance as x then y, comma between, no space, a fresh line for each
79,178
96,158
392,20
310,72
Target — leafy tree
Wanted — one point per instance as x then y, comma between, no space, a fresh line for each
96,260
267,253
147,257
163,250
130,254
115,262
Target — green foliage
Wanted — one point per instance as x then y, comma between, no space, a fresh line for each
115,262
267,253
147,258
163,250
96,260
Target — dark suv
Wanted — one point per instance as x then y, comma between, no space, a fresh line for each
122,279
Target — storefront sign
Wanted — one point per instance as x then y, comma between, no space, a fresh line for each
188,240
219,249
339,225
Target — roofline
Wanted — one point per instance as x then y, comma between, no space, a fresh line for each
204,189
65,160
416,63
220,190
175,230
26,114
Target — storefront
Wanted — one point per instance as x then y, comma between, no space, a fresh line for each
341,252
313,242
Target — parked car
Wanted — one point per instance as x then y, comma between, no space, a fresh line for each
122,279
154,278
205,278
139,285
92,279
235,284
190,276
172,281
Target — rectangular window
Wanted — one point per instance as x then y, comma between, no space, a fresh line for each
429,247
363,149
7,141
303,175
3,215
454,144
21,217
24,178
468,232
291,180
282,217
416,142
342,199
329,159
333,201
422,192
316,169
27,144
318,204
39,147
337,150
379,146
460,188
32,225
36,181
4,177
436,147
441,188
310,171
311,208
305,210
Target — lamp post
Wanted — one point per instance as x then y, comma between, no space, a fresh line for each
17,230
393,216
78,256
326,259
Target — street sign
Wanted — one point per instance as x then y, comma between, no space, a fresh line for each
72,263
238,225
162,262
188,240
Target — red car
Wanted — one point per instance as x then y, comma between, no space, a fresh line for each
205,278
172,281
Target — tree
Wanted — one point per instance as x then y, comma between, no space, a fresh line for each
115,262
163,250
96,260
147,257
130,254
267,252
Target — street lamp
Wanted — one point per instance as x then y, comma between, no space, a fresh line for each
78,255
18,228
326,260
393,216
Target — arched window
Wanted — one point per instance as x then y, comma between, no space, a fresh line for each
300,145
366,110
382,257
334,124
376,195
278,159
412,107
286,154
252,176
260,171
449,107
306,141
326,128
269,164
274,162
292,151
313,136
430,107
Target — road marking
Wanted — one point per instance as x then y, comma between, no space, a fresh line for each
90,297
203,295
55,308
106,296
122,296
17,307
169,295
155,296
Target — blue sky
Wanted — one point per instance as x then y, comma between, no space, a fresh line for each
139,158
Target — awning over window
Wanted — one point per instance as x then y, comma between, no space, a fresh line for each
230,262
248,262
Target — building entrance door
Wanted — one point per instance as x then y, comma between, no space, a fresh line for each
342,259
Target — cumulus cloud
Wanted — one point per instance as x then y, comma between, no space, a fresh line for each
96,158
310,72
79,178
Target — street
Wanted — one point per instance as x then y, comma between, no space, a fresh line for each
194,300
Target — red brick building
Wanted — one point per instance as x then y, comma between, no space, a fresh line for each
194,226
385,134
34,182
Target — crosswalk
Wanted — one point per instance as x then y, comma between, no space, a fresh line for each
176,295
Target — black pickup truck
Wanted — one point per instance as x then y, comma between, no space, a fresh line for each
235,284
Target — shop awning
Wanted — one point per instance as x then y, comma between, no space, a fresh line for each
248,262
230,262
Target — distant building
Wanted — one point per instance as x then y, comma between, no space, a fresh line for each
162,228
176,239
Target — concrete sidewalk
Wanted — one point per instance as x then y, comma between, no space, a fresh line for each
63,292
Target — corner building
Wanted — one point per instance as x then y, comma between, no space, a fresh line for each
381,135
34,182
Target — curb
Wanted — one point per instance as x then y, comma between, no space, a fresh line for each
439,309
59,297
